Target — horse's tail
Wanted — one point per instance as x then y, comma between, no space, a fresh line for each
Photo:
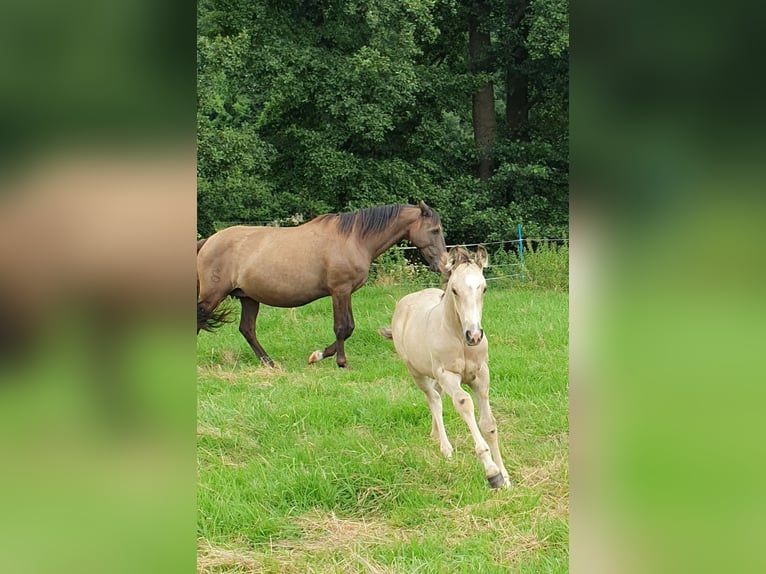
200,243
209,320
386,333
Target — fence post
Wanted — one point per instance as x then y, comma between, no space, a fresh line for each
521,254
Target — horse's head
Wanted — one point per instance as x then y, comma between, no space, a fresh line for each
425,233
466,286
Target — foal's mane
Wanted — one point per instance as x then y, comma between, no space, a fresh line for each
367,221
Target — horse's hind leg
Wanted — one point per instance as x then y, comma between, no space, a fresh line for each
343,324
250,309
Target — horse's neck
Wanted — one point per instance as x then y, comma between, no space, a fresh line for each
447,311
380,242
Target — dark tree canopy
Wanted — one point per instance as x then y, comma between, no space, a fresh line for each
313,106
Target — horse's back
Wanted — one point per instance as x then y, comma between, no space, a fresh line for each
279,266
222,241
219,256
419,301
410,325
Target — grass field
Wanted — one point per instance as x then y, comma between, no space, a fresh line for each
317,469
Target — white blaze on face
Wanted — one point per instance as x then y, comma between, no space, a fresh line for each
474,281
471,291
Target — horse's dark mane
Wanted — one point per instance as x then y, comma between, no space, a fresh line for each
369,220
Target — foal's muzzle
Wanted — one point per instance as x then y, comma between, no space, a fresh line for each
473,339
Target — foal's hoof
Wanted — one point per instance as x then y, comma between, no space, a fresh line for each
315,356
495,481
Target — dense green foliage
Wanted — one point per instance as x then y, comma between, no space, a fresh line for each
314,106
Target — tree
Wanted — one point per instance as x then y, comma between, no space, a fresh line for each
316,106
483,99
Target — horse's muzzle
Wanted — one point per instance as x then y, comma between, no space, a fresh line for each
473,339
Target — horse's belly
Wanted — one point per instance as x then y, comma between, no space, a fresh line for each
283,295
429,360
281,283
414,336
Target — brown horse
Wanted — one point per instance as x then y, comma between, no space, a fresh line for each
292,266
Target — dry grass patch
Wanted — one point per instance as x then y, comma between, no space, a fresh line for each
550,478
207,430
254,375
327,544
547,473
522,546
212,559
325,530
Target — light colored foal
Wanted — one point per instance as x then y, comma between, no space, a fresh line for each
439,337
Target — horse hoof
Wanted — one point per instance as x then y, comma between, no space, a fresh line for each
267,362
315,356
495,481
343,366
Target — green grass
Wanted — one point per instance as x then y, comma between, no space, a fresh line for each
316,469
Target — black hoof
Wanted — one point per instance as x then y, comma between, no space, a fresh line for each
267,361
496,481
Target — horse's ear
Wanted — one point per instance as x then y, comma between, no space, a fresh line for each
425,211
457,255
448,261
482,257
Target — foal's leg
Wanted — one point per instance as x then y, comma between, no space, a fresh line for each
487,423
434,401
343,324
250,309
450,382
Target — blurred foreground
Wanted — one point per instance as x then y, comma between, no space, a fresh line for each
97,226
97,376
667,291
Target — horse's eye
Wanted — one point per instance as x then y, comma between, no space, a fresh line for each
453,291
484,290
435,232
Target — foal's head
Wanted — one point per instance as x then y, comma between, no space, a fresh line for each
425,233
466,286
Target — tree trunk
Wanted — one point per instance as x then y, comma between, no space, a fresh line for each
517,105
516,82
484,119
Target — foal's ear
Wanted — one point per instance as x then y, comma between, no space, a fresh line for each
482,257
425,211
457,255
448,261
443,263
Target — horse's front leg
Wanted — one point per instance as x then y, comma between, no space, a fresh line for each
343,324
487,422
450,382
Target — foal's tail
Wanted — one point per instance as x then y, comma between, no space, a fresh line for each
209,320
385,332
